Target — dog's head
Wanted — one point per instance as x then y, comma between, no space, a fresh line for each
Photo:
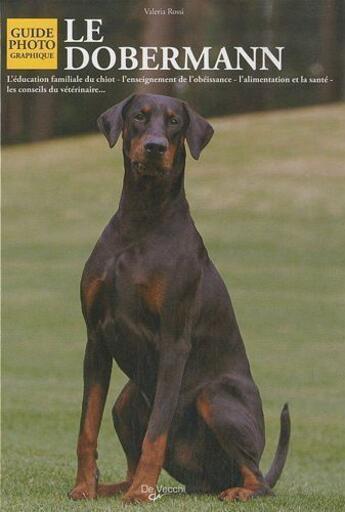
154,129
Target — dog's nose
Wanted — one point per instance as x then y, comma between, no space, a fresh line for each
156,147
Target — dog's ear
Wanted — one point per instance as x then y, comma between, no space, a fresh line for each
110,122
199,132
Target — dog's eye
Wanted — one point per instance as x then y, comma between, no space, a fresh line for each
173,120
139,117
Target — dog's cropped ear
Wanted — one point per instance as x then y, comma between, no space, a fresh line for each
199,132
110,122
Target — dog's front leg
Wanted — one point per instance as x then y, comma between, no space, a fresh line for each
172,361
97,370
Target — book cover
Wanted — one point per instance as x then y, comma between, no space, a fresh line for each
172,254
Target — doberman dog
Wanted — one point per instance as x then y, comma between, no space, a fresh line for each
153,301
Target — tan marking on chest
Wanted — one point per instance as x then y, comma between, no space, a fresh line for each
204,407
154,293
93,292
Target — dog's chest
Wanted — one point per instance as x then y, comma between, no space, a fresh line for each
140,292
141,281
141,288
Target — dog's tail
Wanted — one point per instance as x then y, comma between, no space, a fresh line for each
282,449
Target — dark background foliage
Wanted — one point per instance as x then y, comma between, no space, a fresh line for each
311,30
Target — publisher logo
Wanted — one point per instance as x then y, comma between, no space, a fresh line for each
32,43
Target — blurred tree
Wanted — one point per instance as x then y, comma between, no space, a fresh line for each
13,118
332,60
312,32
158,30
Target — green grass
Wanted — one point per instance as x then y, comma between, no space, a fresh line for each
268,199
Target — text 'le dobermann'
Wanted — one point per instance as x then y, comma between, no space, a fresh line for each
153,301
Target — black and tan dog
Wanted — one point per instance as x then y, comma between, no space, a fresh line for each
153,301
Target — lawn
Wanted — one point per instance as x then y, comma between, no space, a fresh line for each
268,198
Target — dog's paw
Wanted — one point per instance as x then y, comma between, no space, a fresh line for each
106,490
83,491
236,494
137,496
244,494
